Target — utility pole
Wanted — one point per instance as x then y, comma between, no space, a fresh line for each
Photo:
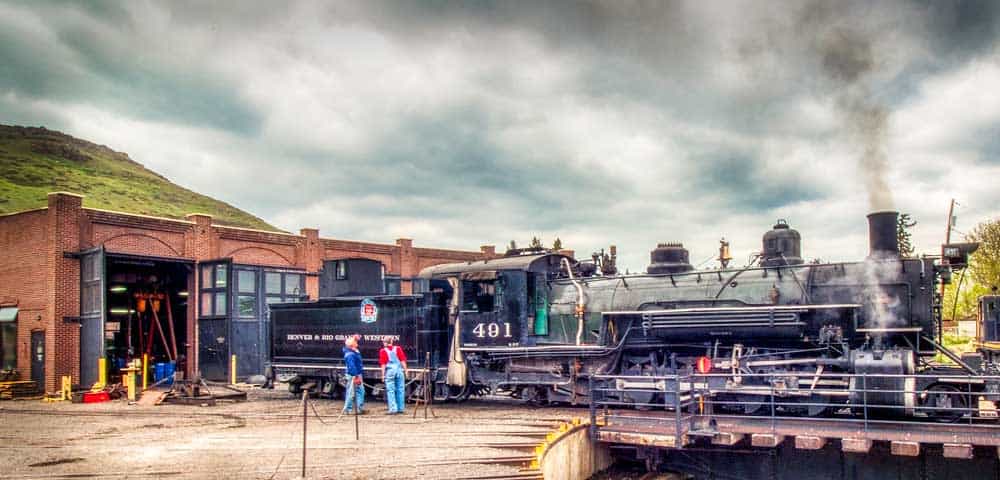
947,240
305,418
951,213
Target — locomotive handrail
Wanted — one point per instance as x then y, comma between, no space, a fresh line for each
762,308
949,376
685,401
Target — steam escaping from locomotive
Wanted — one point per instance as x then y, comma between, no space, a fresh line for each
847,59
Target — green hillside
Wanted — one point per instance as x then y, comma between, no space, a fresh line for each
36,161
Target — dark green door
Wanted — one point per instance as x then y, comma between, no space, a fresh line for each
38,359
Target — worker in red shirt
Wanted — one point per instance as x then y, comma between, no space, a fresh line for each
393,362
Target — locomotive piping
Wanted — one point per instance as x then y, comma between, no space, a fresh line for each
950,355
579,301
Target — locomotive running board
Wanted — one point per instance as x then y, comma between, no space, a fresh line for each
726,317
760,308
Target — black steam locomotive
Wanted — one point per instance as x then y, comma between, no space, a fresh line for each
542,326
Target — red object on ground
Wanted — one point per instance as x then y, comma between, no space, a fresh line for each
92,397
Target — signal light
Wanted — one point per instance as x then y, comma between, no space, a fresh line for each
704,365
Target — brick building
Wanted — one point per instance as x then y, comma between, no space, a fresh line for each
79,283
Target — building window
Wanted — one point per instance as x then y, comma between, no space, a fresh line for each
246,306
90,285
284,287
293,284
393,285
246,292
341,269
214,283
8,338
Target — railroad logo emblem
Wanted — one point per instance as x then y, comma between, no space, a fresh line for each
369,311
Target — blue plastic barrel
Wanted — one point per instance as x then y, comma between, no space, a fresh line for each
168,372
158,371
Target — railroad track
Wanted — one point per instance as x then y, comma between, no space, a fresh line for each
338,468
513,435
517,437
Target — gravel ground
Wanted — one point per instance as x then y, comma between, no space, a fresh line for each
262,438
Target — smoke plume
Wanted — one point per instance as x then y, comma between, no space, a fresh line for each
848,60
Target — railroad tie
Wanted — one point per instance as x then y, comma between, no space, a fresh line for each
856,445
958,450
905,449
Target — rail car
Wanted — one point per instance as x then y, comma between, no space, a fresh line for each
988,330
307,338
544,326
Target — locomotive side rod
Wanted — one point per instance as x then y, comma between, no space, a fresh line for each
951,355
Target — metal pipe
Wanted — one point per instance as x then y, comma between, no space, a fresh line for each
579,300
951,355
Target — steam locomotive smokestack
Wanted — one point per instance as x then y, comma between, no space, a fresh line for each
882,240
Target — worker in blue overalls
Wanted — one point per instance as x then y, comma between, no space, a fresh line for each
355,394
393,362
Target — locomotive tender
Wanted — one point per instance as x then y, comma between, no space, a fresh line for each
540,326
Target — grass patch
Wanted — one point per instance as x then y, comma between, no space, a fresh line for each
958,344
37,161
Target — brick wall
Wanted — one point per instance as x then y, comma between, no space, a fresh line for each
62,338
23,282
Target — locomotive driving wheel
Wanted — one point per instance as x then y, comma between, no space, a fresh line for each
459,394
535,395
943,403
643,398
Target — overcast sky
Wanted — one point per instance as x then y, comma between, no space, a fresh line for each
463,124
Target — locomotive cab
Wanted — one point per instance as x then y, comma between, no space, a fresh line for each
500,302
988,328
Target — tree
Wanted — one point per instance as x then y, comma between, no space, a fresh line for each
557,245
512,247
535,244
985,262
903,235
965,305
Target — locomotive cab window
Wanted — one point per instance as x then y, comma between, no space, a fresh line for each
481,295
538,307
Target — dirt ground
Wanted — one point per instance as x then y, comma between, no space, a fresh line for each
262,438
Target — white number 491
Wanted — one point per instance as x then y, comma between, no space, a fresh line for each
491,330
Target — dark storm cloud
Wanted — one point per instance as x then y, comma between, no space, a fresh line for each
464,123
960,29
740,183
87,56
447,165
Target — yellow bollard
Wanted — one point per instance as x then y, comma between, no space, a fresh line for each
130,380
145,371
67,388
130,384
232,370
102,375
